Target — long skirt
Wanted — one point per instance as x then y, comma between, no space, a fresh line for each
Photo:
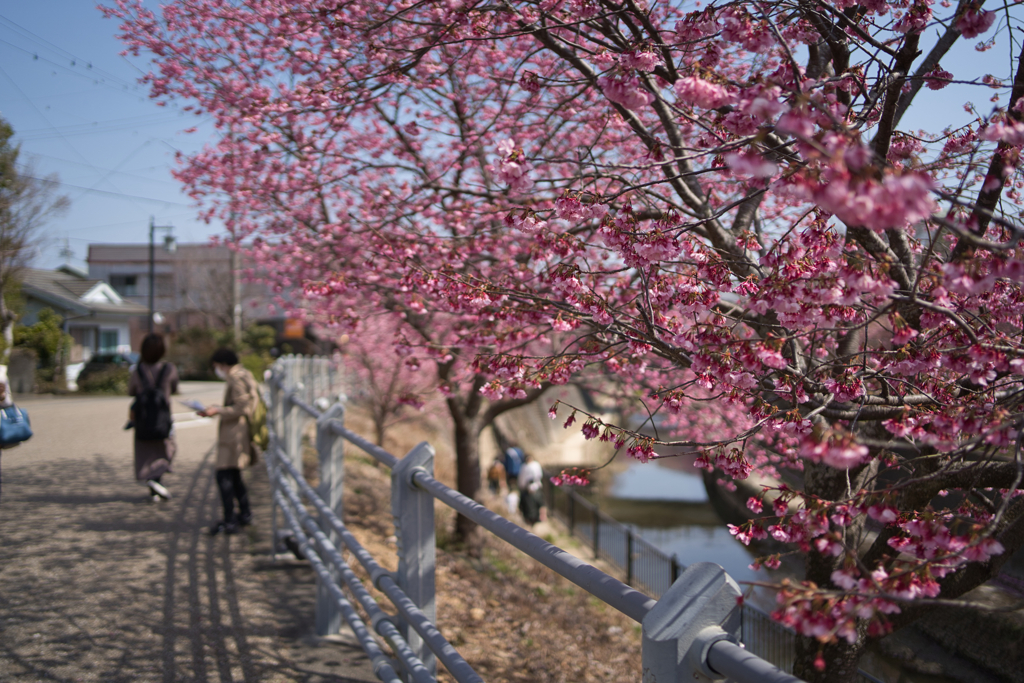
530,503
153,458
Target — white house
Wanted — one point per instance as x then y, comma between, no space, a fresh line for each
93,313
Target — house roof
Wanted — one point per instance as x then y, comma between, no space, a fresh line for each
139,253
76,294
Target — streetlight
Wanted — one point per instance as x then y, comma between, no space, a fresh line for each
171,246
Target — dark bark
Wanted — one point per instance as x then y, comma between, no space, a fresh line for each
841,658
467,472
984,208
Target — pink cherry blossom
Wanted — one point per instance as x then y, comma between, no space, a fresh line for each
973,22
625,91
938,78
679,210
700,93
841,452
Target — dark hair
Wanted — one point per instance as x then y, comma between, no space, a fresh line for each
153,348
224,357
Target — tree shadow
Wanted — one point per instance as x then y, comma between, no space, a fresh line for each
99,584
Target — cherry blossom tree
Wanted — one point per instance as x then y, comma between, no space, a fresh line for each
409,333
731,208
388,385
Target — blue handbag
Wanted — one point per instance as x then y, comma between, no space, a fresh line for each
14,426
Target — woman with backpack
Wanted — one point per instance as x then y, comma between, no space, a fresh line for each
152,383
234,441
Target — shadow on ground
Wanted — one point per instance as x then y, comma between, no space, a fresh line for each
98,583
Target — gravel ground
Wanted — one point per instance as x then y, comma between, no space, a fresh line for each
99,583
510,617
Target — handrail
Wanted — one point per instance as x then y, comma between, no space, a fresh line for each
739,665
381,664
626,599
373,449
382,579
692,631
617,594
378,617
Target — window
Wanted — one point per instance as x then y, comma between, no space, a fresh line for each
108,341
125,285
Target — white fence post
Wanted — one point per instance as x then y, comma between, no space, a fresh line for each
699,609
330,448
274,415
413,510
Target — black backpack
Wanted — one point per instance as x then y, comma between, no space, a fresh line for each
152,411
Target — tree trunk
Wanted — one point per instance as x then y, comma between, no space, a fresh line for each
7,320
841,660
379,428
467,473
8,341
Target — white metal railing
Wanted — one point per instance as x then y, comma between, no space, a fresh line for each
691,633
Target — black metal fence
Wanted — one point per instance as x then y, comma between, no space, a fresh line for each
651,570
646,567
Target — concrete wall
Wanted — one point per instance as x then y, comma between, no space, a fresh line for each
534,431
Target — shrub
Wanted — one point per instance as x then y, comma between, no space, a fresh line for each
113,381
190,350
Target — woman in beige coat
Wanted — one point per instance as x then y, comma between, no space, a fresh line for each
234,447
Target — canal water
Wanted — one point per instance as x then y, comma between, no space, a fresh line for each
668,506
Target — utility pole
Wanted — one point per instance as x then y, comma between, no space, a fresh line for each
171,247
67,253
236,296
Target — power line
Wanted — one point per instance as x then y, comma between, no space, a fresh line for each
39,40
106,78
124,195
73,148
120,87
134,173
141,119
122,224
107,128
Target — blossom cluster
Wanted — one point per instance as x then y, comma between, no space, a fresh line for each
696,215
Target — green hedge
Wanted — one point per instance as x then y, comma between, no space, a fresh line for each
113,381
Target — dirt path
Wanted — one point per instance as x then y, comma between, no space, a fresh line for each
98,583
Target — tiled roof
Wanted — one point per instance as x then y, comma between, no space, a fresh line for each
67,290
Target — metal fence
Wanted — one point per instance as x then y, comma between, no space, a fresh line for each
645,566
692,633
650,569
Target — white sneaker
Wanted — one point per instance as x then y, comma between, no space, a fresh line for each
159,489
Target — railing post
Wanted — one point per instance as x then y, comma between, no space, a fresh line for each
413,510
330,449
291,423
293,420
595,516
696,612
629,556
274,417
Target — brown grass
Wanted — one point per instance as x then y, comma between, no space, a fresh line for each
511,618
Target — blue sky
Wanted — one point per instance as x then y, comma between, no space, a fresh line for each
77,110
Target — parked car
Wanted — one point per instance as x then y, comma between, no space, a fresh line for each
104,362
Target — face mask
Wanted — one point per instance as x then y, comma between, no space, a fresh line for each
220,373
